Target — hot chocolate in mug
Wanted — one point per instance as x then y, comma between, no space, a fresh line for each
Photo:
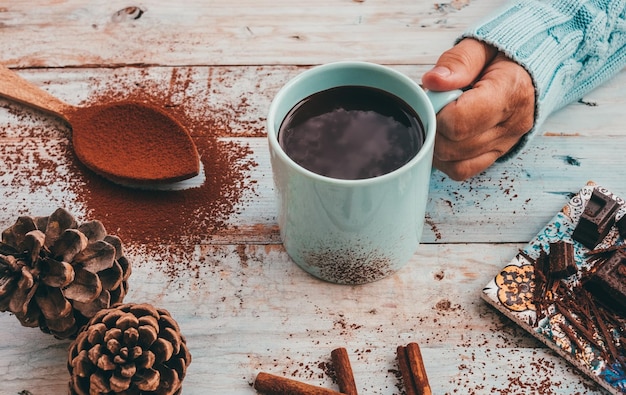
357,230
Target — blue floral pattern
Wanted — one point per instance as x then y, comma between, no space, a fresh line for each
510,291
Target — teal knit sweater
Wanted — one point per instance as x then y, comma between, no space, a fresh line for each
569,47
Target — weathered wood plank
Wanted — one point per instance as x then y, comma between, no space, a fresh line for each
44,33
238,97
508,203
262,313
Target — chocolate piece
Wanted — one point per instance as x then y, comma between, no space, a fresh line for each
562,262
608,281
596,220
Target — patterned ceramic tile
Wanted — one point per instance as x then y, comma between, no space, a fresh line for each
512,292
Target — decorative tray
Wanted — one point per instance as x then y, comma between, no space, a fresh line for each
591,338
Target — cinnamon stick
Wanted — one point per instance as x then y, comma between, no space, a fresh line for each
414,368
343,370
416,363
270,384
403,366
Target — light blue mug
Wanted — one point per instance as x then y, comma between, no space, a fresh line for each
353,231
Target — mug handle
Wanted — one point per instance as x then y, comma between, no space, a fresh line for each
440,99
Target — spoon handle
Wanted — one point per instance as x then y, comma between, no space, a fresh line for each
14,87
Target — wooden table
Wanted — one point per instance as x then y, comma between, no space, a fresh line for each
243,306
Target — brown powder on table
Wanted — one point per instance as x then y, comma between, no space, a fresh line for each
174,217
166,225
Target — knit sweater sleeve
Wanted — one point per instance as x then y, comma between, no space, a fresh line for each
569,47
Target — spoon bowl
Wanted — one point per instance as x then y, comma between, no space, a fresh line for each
128,142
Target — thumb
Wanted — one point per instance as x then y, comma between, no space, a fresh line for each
459,66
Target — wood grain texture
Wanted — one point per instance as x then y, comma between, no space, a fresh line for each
78,33
243,306
15,88
264,314
509,202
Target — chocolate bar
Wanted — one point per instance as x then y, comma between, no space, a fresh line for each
608,281
596,220
562,262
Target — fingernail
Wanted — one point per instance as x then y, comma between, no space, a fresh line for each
441,71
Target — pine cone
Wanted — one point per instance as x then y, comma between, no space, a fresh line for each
129,349
56,274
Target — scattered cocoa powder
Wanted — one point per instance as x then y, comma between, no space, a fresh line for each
349,265
165,225
174,217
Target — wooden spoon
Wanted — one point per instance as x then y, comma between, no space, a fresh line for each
130,143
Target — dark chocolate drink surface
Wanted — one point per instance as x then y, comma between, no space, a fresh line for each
351,132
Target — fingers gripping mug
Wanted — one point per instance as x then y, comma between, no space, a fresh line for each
351,147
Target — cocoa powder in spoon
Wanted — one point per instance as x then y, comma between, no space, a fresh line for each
133,142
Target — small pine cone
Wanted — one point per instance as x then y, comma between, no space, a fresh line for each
128,349
56,273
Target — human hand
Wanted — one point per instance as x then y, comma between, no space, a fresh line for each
488,119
